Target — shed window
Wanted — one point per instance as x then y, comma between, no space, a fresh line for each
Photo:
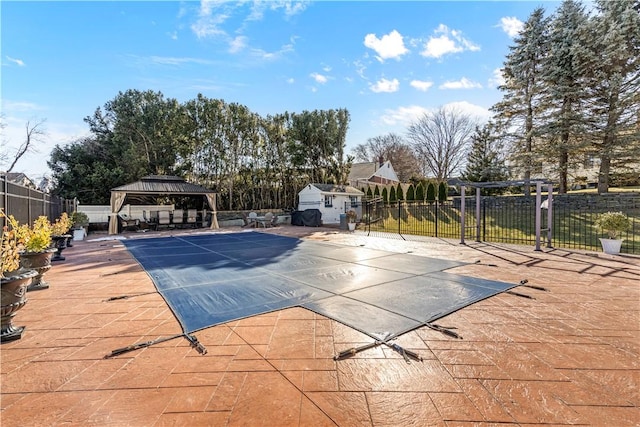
328,201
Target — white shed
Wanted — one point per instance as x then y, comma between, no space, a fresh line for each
331,200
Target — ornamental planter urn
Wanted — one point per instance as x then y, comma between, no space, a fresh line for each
13,296
39,261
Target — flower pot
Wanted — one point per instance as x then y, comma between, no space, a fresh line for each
13,296
78,234
611,246
59,244
39,261
352,226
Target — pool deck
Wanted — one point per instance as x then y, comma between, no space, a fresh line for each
569,355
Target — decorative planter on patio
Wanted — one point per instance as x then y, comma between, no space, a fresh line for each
611,246
13,295
60,243
39,261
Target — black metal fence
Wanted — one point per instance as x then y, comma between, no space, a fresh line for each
26,204
508,219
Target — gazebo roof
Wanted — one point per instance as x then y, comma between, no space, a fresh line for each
162,184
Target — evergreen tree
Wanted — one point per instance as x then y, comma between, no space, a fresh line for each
431,192
562,118
608,55
392,194
369,193
385,195
442,191
399,192
485,162
410,193
517,115
419,192
376,191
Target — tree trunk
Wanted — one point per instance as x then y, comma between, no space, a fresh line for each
603,175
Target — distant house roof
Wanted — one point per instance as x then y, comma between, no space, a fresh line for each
362,171
20,178
343,189
373,172
162,184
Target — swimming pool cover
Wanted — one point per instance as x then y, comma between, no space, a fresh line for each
209,279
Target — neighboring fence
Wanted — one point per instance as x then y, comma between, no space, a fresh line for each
509,219
27,204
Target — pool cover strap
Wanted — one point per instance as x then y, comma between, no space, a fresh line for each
192,340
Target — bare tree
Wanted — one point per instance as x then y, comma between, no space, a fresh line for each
390,147
441,139
34,132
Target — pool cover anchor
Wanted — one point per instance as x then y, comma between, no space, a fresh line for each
192,340
444,329
406,354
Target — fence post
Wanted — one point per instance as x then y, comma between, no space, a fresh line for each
538,214
478,218
549,215
462,209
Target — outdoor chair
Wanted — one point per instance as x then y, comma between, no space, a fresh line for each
152,222
164,219
192,217
128,223
178,217
252,220
267,220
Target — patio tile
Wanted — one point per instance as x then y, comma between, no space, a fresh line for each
406,409
569,356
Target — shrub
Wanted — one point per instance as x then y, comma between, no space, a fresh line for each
62,225
36,238
613,223
9,245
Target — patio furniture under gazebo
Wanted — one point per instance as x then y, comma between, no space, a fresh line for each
159,185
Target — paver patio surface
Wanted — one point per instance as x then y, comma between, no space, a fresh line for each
569,355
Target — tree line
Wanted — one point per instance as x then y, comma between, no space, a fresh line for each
571,92
253,162
571,95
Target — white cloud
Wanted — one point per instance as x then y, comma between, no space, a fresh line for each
402,115
291,80
19,106
237,44
511,25
497,79
448,41
473,110
18,62
421,85
319,78
384,85
463,83
388,46
169,60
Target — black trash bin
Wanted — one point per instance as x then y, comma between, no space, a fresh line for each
343,222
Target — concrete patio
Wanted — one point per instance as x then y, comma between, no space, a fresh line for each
567,356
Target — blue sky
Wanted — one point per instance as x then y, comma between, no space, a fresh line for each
386,62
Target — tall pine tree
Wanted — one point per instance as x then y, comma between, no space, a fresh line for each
518,113
608,57
562,121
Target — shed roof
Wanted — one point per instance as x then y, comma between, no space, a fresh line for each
332,188
162,184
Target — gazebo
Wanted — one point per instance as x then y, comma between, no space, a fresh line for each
159,185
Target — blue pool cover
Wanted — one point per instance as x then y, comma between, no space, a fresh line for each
209,279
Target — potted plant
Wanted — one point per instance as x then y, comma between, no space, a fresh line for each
352,216
80,221
60,235
36,250
613,224
13,280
